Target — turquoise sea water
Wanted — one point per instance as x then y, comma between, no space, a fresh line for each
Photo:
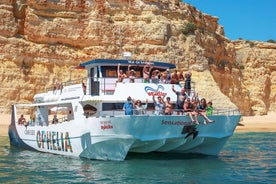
246,158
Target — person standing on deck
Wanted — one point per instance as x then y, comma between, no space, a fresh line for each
168,107
159,105
121,74
188,81
128,106
180,99
131,75
146,73
140,109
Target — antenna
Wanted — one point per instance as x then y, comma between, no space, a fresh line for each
127,55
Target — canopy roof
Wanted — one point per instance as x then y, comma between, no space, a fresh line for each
110,62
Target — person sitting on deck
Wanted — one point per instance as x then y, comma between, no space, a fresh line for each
121,74
202,111
189,109
21,120
140,109
55,120
209,108
131,75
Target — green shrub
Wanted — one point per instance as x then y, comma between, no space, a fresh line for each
189,28
242,67
271,41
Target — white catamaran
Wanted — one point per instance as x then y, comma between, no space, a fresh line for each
84,118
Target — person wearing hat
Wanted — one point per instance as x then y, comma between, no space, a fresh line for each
128,106
140,109
146,73
155,75
131,75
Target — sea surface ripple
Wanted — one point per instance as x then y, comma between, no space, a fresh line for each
246,158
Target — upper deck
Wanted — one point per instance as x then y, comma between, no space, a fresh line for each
103,73
102,82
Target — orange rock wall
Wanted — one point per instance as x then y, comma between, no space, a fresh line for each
41,39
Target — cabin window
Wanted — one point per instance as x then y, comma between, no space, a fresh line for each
109,71
89,110
112,106
119,106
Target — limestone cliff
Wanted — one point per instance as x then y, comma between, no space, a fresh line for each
41,39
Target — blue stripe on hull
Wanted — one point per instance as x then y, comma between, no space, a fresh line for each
15,140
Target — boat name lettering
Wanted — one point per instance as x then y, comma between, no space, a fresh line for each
105,122
136,62
53,140
29,132
174,123
155,92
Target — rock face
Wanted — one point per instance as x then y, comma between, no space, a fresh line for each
40,41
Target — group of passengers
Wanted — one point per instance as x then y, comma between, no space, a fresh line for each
22,120
192,106
136,107
155,76
185,105
133,106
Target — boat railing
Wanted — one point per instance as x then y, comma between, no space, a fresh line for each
108,85
227,112
58,86
50,122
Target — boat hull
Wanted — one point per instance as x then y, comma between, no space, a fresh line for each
112,138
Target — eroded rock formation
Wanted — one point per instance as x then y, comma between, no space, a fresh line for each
41,39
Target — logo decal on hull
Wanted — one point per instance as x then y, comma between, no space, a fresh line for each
155,92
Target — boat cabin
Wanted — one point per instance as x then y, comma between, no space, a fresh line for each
103,73
101,94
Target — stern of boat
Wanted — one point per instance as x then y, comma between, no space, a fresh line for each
15,140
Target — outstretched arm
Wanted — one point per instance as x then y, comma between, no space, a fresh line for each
118,70
173,89
153,98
